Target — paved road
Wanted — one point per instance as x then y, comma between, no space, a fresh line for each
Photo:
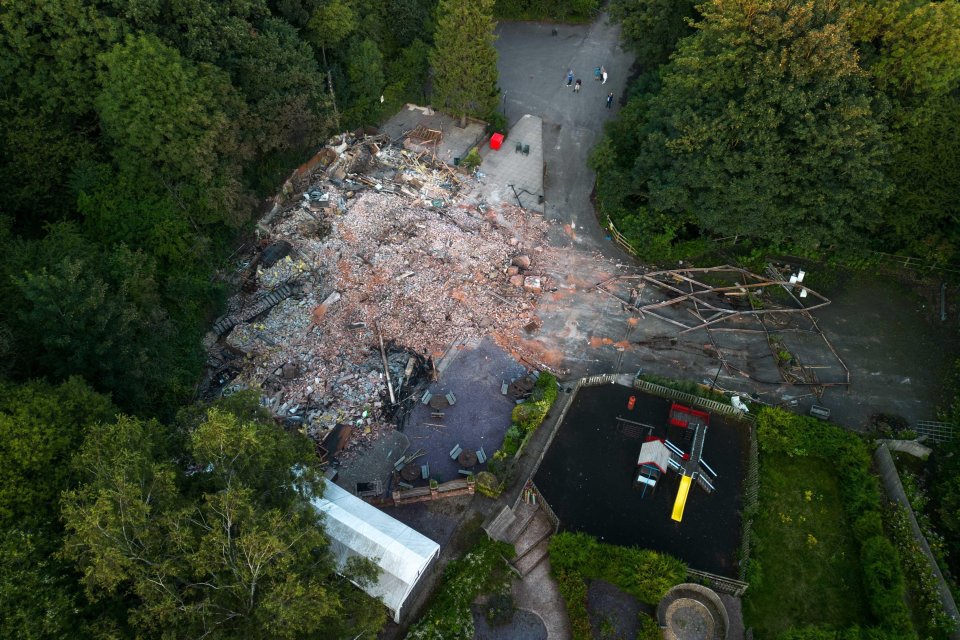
533,68
584,333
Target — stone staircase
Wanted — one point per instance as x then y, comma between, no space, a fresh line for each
223,326
528,529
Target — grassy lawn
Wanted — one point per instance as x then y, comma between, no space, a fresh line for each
811,571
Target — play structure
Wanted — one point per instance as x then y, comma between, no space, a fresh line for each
658,455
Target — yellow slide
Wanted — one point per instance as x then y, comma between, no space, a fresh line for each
681,500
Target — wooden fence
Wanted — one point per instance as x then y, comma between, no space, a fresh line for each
750,498
547,509
690,399
620,239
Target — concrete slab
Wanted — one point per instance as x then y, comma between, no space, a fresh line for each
455,140
512,176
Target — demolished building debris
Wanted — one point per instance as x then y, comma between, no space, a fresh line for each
383,241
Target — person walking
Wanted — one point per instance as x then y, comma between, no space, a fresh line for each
576,87
597,72
610,100
569,77
604,74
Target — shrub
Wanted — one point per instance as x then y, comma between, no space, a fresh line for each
473,159
649,629
488,484
932,621
497,123
574,592
482,570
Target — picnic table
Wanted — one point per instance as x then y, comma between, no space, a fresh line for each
410,472
467,459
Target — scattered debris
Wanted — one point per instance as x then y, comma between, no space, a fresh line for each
387,260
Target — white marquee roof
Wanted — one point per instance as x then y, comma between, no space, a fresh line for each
356,528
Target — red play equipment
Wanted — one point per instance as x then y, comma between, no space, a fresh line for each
631,402
687,418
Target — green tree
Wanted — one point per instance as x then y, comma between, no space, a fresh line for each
222,543
40,428
96,314
410,20
365,74
652,28
463,60
925,170
48,50
910,46
38,594
175,123
766,127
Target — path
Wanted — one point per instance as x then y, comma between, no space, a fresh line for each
572,123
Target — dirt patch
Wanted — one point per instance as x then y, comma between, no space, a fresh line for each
614,613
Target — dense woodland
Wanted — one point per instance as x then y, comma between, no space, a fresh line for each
818,127
140,139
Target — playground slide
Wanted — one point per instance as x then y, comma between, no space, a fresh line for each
681,500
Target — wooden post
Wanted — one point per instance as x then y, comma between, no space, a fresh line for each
386,369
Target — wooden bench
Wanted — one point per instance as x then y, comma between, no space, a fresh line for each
481,455
426,397
425,471
456,451
437,414
452,399
465,472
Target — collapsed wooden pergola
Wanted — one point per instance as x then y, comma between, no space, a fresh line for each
693,303
714,304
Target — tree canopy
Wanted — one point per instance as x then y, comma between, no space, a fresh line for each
793,124
464,61
222,543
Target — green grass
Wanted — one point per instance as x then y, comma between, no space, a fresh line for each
810,570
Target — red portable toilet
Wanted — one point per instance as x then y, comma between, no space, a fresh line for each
496,141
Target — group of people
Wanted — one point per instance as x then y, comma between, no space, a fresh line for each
598,74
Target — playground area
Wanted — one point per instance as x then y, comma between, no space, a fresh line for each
591,478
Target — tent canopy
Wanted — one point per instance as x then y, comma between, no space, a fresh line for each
356,528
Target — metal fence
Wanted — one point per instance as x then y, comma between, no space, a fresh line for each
719,583
934,431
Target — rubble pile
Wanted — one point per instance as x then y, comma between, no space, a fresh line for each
406,252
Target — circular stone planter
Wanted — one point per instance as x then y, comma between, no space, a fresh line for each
692,612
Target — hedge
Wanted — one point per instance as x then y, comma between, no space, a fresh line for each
526,417
782,432
644,574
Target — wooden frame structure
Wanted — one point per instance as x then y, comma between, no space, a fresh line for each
709,305
705,296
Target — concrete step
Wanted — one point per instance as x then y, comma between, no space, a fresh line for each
497,526
532,557
538,528
524,515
